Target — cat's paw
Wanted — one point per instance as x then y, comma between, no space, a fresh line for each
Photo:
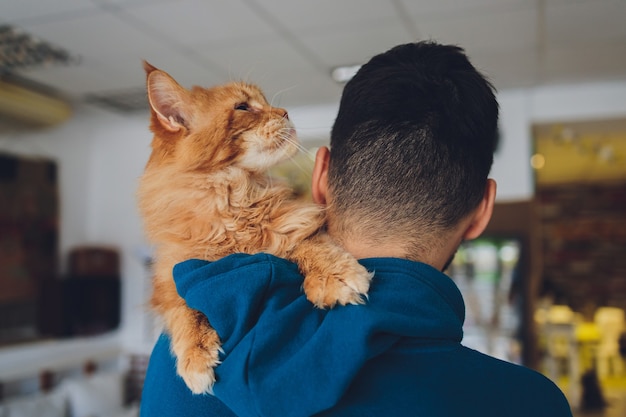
196,365
342,282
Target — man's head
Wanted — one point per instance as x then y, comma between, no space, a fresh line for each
411,148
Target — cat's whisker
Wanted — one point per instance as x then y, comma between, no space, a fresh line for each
248,75
316,135
308,152
287,138
232,76
307,171
315,128
287,133
276,94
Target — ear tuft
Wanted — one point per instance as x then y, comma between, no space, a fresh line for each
167,99
148,67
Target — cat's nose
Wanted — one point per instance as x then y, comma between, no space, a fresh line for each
280,112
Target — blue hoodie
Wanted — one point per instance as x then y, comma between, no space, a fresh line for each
398,355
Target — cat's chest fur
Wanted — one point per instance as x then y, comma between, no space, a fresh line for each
212,215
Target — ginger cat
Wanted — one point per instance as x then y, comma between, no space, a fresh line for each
205,194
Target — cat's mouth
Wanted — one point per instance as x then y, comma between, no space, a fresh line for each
267,150
282,147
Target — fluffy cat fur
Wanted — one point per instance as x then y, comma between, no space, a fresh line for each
205,194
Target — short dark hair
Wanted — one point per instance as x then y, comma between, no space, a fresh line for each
414,138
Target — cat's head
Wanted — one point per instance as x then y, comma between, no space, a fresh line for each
209,129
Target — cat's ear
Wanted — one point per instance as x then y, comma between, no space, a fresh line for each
167,99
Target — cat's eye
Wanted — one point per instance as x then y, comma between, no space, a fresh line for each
242,106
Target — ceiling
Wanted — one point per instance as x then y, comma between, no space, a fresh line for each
289,46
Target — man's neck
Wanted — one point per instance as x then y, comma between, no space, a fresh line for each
360,250
438,254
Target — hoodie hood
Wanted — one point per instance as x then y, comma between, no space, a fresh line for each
273,338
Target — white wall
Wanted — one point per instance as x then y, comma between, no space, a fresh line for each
582,102
511,166
119,152
101,155
520,109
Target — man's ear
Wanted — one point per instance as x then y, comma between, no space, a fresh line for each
319,181
482,214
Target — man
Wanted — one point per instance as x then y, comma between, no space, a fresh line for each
405,182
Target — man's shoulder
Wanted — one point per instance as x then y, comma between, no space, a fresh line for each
518,385
449,380
494,367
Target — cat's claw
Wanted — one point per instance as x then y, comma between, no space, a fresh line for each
200,382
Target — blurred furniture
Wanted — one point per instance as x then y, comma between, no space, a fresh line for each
558,330
96,387
610,323
86,301
29,214
583,233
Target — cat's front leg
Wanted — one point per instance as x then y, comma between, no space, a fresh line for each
331,275
194,343
196,346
